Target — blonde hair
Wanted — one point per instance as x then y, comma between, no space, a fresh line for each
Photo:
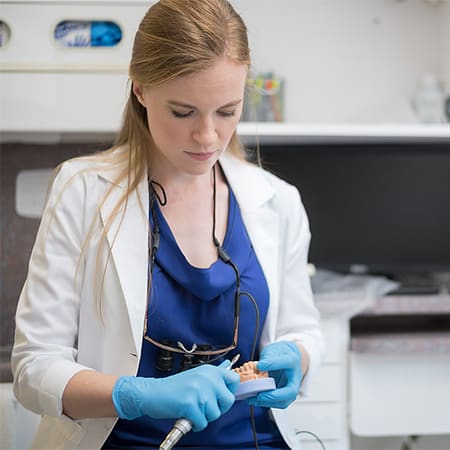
175,38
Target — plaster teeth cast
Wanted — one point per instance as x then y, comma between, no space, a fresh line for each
253,381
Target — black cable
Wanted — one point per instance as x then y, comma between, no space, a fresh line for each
255,335
162,201
223,255
322,445
227,260
155,232
252,420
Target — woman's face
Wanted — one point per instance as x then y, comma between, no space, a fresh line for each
193,118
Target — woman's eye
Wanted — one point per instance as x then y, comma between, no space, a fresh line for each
181,115
227,113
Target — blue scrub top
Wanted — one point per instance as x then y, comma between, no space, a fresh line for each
196,305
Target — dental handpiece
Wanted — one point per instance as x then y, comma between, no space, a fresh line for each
183,426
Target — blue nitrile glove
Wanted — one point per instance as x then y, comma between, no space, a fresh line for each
283,362
200,395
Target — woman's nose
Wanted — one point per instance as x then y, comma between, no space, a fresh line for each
205,132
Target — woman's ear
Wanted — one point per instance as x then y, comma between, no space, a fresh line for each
138,91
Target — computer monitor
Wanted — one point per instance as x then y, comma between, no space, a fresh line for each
380,207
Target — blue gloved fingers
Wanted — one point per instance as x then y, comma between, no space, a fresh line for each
281,397
283,362
278,398
208,410
194,394
280,355
212,410
225,398
197,417
279,348
212,396
232,380
209,394
224,364
224,389
213,399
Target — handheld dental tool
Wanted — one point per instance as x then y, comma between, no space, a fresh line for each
183,426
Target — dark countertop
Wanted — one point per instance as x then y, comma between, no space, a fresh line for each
5,365
402,343
403,324
410,304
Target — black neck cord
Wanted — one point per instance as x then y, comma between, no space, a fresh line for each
223,255
162,201
155,233
226,259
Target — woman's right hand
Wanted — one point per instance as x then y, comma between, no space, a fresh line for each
200,395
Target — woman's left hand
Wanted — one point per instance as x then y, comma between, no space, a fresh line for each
283,362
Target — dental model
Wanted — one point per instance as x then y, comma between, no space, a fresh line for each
253,381
248,371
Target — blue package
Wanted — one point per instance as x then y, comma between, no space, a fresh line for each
105,34
73,33
76,33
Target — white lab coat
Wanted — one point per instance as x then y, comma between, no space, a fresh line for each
58,329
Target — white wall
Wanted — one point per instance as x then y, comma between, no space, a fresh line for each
348,60
355,61
446,45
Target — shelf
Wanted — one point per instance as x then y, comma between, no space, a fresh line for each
409,304
403,343
291,133
252,133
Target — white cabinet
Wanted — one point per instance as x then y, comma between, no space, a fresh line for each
324,412
17,424
400,394
399,376
46,87
33,47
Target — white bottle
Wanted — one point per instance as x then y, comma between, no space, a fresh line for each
429,100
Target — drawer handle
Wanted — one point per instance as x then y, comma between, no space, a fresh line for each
87,33
5,33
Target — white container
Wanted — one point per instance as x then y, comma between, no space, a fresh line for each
429,100
5,34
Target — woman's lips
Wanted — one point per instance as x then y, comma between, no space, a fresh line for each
201,156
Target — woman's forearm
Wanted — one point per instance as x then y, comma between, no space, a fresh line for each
305,358
88,394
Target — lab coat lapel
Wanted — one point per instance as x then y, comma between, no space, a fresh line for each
262,226
254,193
127,237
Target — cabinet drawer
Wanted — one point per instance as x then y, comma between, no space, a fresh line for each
62,102
336,340
327,386
399,394
32,45
329,444
326,420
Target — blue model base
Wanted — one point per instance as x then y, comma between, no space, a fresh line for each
253,387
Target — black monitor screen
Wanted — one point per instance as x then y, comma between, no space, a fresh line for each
382,206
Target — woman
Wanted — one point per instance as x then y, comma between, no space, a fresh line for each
162,258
